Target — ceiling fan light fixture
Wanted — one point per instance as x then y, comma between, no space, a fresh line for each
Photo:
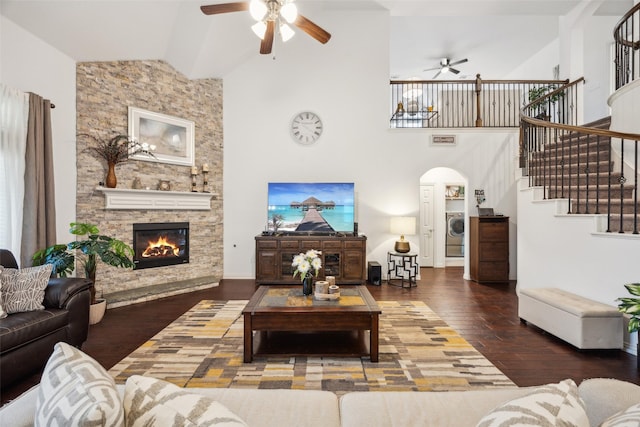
289,12
445,69
286,32
259,28
257,9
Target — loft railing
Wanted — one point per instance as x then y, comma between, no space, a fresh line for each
464,103
627,44
594,169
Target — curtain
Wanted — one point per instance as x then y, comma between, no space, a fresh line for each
39,217
14,111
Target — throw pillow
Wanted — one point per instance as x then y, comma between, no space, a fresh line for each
630,417
552,404
153,402
23,290
3,313
76,391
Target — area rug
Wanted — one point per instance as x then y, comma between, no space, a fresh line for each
418,352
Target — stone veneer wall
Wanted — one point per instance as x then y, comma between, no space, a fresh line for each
105,90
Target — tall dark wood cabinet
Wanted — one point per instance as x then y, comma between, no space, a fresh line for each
342,256
489,249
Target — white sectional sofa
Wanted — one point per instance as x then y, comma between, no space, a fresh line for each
75,390
300,408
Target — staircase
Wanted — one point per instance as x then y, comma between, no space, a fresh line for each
579,168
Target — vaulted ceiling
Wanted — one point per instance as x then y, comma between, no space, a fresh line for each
495,35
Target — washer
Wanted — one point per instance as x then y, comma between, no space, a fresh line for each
455,234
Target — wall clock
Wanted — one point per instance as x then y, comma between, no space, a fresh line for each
306,127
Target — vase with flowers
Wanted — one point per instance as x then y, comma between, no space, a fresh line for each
116,149
303,264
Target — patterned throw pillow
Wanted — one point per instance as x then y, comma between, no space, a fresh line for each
23,290
3,313
153,402
76,391
552,405
630,417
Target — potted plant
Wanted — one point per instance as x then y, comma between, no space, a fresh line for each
631,306
111,251
541,106
276,222
116,149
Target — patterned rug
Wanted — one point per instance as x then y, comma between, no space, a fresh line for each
418,352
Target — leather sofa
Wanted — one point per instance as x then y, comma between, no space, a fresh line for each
27,339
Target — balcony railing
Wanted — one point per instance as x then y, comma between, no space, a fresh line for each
627,44
465,103
592,168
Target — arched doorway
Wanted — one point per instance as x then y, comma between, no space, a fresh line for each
443,218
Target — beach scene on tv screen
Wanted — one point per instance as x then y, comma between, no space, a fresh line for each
310,207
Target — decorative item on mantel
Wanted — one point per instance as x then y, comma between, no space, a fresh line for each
303,263
194,174
205,174
115,150
164,185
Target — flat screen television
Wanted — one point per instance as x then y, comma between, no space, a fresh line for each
320,207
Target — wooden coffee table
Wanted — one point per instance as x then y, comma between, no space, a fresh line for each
279,308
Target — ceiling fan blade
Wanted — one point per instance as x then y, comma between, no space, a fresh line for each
312,29
214,9
267,41
431,69
437,74
454,71
462,61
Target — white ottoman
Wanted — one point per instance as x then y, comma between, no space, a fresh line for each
584,323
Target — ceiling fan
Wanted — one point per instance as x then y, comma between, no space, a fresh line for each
271,15
447,66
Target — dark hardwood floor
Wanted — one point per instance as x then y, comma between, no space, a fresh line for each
485,315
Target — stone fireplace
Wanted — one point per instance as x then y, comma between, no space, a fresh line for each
102,110
160,244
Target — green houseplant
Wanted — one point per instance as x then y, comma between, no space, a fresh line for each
538,92
631,306
111,251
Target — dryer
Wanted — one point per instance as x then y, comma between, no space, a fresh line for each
454,240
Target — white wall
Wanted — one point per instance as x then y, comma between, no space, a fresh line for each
590,58
347,84
31,65
540,65
598,38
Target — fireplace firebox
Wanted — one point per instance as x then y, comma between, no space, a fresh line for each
160,244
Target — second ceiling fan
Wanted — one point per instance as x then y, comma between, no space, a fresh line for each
447,66
271,15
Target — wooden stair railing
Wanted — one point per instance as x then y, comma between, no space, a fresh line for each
592,167
627,47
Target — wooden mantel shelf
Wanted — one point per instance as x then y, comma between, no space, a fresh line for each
124,198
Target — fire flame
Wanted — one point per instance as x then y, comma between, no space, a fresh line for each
161,247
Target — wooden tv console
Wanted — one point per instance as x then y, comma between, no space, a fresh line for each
343,256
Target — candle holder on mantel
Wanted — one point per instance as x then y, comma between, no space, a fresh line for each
205,174
194,174
205,183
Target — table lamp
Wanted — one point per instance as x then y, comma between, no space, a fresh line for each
403,225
